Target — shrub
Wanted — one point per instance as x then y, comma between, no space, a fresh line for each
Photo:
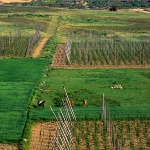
113,8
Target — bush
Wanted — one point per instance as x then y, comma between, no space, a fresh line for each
113,8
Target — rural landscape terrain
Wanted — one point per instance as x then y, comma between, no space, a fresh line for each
74,78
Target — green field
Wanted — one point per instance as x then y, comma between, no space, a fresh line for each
18,78
90,84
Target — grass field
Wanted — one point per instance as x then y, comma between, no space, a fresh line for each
18,78
90,84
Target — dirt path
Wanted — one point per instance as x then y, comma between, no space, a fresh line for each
10,1
141,10
39,48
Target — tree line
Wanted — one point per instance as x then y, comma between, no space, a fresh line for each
91,4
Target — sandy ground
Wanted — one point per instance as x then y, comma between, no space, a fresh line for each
10,1
141,10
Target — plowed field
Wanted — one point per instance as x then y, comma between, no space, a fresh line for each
92,135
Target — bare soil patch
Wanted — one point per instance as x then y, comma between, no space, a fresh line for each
141,10
8,147
42,136
11,1
59,59
39,48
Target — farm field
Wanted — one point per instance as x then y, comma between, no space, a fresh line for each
113,40
94,82
93,135
90,84
61,21
130,135
18,78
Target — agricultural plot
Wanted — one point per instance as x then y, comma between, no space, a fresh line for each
17,45
124,135
121,22
13,46
90,84
18,78
107,51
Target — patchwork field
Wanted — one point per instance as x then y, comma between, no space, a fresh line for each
107,49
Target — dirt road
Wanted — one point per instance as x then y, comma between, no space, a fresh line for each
39,48
141,10
11,1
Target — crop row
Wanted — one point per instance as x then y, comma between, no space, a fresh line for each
110,51
124,135
90,113
16,44
13,46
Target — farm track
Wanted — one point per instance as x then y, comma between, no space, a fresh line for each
10,1
141,10
39,48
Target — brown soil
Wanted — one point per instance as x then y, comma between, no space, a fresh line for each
39,48
59,59
85,135
8,147
42,136
141,10
10,1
